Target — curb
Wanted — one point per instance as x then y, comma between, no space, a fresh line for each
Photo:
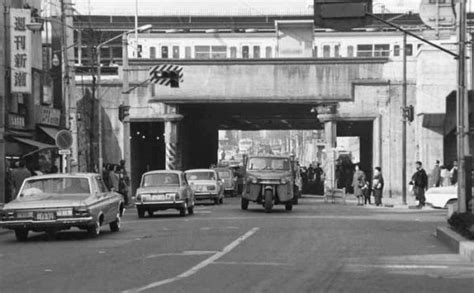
456,242
5,231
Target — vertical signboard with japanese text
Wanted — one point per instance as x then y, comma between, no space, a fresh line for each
20,51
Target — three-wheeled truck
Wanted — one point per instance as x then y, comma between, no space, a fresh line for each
268,180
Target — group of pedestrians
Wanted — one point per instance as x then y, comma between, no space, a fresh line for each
363,188
312,179
442,176
116,178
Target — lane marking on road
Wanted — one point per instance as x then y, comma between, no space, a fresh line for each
249,263
205,228
200,265
184,253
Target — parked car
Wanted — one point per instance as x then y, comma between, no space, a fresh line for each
439,197
228,180
49,203
206,185
164,189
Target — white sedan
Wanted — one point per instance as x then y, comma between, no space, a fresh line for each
439,197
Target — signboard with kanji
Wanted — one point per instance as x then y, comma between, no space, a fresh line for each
20,51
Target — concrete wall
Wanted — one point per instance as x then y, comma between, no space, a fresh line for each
295,80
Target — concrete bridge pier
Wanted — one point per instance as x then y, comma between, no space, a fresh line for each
173,139
329,117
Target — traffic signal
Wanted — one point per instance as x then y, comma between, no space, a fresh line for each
123,112
173,77
410,113
139,51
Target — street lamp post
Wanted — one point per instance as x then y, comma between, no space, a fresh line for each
98,90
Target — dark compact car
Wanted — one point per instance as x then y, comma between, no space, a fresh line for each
162,190
60,201
268,180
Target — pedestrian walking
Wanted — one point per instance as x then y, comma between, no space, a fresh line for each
454,173
366,192
114,177
358,181
8,182
105,174
377,185
436,175
124,182
419,180
319,178
19,175
445,180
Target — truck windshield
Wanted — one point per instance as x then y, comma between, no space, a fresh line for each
268,164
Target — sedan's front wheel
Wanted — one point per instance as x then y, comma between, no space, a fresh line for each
21,234
94,230
115,225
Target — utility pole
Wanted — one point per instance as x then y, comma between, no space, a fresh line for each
3,58
65,78
461,110
404,122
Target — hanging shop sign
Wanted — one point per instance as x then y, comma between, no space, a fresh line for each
20,51
48,116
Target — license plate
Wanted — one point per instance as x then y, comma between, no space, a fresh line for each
44,216
158,197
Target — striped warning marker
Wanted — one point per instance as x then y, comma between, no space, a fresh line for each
171,158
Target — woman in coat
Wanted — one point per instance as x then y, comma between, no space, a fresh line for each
358,181
377,185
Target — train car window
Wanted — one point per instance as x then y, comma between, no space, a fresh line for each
245,52
202,52
268,52
187,52
219,52
439,1
256,51
164,52
233,52
152,52
350,51
364,50
175,52
409,50
315,52
396,50
381,50
326,51
336,51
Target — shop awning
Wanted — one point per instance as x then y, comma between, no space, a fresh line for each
50,131
38,145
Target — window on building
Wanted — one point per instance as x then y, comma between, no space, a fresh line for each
245,52
164,52
409,50
256,51
439,1
233,52
268,52
350,51
336,51
326,51
152,52
175,52
187,52
315,52
218,52
381,50
364,50
396,50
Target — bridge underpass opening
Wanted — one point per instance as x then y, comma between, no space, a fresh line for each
359,138
147,148
199,129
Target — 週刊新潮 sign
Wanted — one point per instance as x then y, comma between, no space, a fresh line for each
20,51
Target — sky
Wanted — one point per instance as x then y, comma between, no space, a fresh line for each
220,7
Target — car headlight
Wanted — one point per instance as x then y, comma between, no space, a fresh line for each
283,181
211,187
81,212
252,179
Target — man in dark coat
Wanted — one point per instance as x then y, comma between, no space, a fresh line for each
19,175
419,180
436,175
